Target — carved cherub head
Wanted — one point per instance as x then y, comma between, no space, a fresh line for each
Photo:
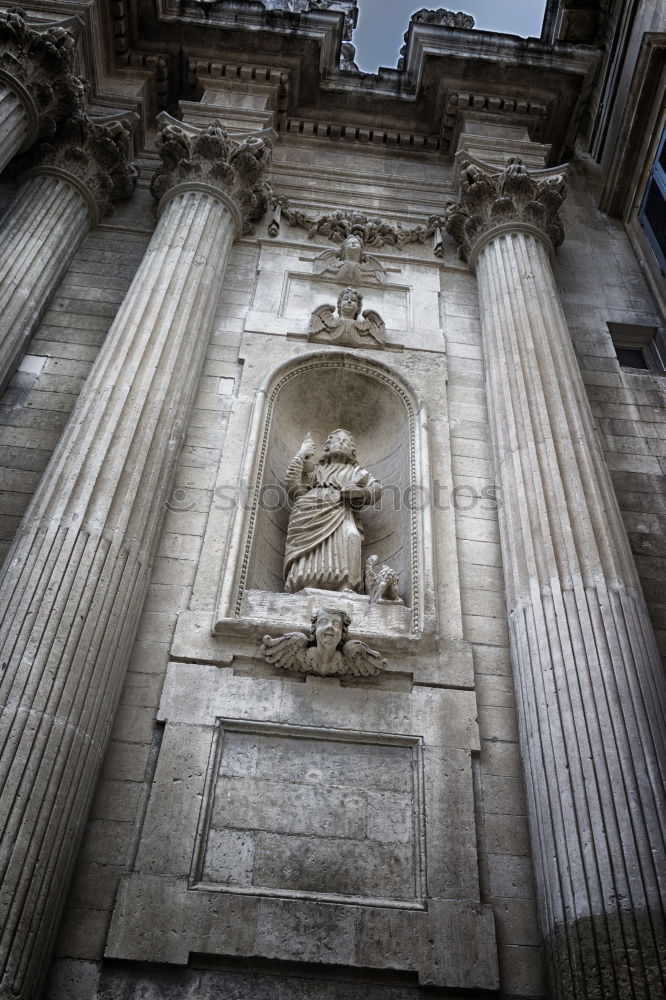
352,249
330,627
339,445
350,303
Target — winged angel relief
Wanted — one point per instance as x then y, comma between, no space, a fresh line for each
325,650
341,324
350,264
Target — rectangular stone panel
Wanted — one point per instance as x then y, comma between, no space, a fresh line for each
311,812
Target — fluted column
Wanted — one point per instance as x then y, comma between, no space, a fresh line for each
75,580
38,85
70,187
589,682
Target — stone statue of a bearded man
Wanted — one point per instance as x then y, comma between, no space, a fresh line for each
325,533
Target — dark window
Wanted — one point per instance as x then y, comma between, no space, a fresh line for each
630,357
638,346
652,213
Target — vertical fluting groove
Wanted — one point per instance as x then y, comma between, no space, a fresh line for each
40,235
13,124
77,574
589,683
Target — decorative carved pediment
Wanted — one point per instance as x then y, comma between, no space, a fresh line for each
212,156
492,199
42,61
96,154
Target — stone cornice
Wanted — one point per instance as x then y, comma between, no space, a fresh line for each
231,167
93,154
493,202
39,62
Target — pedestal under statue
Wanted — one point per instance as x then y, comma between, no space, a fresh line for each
325,533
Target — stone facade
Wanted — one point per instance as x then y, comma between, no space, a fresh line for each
442,775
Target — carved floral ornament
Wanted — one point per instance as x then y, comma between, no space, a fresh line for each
492,199
42,61
211,156
94,154
339,225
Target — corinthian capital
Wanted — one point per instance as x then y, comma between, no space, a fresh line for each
493,201
94,157
211,158
40,65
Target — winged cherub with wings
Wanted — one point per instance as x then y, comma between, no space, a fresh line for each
346,328
325,650
350,264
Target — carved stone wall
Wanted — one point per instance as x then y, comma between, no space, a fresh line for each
257,833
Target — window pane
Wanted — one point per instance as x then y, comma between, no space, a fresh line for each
630,357
654,213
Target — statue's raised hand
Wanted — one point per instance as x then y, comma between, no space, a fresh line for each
307,451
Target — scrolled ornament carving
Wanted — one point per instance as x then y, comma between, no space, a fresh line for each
94,155
493,199
41,65
211,156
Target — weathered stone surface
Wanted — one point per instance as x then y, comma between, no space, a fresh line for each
383,168
97,535
73,185
319,794
579,627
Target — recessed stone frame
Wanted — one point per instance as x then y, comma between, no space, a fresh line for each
317,392
443,934
300,812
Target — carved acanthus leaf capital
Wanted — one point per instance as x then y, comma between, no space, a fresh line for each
213,157
95,155
42,62
493,200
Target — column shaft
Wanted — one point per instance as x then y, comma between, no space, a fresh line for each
589,682
77,574
14,124
41,232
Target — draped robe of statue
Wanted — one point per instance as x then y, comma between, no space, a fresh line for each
325,533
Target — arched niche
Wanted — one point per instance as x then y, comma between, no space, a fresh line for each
317,393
